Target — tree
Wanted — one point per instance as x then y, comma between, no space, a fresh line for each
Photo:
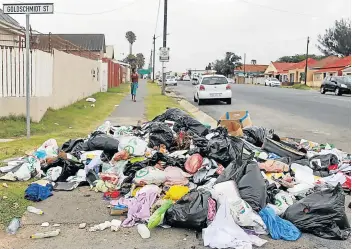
132,60
140,60
228,64
336,40
131,38
299,57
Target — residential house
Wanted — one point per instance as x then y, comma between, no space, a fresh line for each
336,67
109,52
250,73
296,71
278,70
11,32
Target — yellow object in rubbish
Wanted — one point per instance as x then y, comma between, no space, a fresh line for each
134,192
176,192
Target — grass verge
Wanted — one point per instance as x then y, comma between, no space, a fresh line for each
299,87
74,121
156,103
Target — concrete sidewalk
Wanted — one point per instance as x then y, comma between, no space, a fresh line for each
129,112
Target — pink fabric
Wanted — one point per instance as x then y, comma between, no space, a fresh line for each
139,206
211,209
175,176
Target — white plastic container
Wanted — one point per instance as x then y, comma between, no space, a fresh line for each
34,210
143,231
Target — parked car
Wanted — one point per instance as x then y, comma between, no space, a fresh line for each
231,81
178,78
211,87
337,84
171,81
186,78
272,82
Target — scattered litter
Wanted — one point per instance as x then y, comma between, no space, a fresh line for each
5,185
45,224
115,225
4,197
93,100
100,227
45,235
143,231
56,225
82,225
14,225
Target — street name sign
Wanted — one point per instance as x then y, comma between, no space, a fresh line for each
29,8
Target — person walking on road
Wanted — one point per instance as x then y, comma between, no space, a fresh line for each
134,84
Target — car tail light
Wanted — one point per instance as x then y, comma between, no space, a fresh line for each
228,87
201,88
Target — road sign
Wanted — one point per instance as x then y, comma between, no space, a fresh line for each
164,54
29,8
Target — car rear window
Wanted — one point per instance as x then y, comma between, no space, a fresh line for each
214,81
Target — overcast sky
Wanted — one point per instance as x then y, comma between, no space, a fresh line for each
201,31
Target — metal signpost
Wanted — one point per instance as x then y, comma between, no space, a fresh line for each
164,57
30,8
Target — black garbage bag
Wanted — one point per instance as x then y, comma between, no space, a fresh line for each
131,168
256,134
281,149
322,214
69,168
191,211
101,141
322,162
182,121
169,161
160,133
74,147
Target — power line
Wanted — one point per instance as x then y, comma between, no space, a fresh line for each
157,17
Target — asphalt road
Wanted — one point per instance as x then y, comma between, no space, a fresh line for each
290,112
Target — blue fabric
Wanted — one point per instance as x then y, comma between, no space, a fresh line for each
134,87
279,228
36,192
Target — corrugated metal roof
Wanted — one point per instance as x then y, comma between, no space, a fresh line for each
89,42
8,19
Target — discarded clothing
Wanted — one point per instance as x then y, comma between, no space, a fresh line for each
36,192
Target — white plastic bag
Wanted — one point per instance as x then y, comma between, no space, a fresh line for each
303,174
282,201
225,191
53,173
50,147
134,145
149,175
223,232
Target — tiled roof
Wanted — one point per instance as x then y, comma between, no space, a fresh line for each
8,19
343,62
302,64
282,66
323,62
250,68
330,69
89,42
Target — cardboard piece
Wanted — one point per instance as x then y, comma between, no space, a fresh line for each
234,122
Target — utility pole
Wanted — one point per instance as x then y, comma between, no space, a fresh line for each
306,69
28,92
154,57
164,45
244,67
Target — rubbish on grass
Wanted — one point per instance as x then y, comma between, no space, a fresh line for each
5,185
45,235
143,231
14,225
93,100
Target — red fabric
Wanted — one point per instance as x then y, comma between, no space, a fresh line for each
347,184
333,167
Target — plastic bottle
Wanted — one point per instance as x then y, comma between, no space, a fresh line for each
143,231
45,235
34,210
13,226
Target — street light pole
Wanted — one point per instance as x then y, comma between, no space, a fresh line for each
164,45
306,69
154,57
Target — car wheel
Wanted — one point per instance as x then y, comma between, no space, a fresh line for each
337,92
194,99
322,90
200,102
228,101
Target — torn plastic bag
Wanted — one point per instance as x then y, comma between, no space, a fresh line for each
160,133
101,141
74,146
223,232
281,149
133,145
69,168
322,162
193,163
149,175
279,228
50,148
255,135
131,168
169,161
322,214
182,121
190,211
206,172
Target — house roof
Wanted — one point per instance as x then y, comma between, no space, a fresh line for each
89,42
323,62
302,64
250,68
8,19
330,69
282,67
336,65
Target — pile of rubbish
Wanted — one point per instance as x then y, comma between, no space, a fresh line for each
175,171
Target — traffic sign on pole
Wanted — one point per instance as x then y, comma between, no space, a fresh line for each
27,9
164,54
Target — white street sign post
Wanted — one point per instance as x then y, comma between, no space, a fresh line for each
164,56
30,8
